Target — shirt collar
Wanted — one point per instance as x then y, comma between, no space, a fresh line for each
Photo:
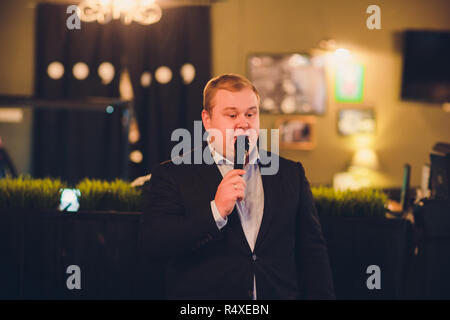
219,159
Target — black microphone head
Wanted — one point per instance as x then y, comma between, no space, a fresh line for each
246,144
241,147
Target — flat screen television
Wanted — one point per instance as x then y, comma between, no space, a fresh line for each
426,66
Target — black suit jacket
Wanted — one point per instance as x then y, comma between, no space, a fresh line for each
290,259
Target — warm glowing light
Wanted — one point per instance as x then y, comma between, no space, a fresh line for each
342,54
146,79
125,87
256,61
163,75
106,72
133,134
80,70
350,181
55,70
14,115
297,60
327,44
103,11
187,73
363,141
288,104
136,156
268,104
365,158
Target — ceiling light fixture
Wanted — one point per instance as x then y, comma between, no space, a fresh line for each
103,11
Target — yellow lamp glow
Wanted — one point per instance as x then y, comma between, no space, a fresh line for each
365,158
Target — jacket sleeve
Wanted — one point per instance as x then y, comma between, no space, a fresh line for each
313,267
169,228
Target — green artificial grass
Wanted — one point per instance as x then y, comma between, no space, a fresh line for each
119,195
24,192
360,203
103,195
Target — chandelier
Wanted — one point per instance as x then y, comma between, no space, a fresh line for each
103,11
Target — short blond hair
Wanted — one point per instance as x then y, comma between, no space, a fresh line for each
231,82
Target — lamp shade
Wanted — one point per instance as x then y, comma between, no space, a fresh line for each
365,158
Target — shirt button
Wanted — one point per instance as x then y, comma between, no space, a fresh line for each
254,257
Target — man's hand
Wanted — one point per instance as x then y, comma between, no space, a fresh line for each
231,188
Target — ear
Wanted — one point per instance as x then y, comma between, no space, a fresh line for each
206,118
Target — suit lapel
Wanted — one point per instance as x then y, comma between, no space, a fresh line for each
270,199
212,177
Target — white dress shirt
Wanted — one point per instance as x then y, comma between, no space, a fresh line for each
251,208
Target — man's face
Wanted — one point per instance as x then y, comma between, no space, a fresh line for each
233,114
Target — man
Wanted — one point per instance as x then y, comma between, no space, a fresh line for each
226,233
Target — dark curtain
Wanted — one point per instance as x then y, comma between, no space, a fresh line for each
72,144
76,144
181,36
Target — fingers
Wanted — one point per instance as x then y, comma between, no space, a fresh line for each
233,185
236,187
239,195
230,190
236,180
234,172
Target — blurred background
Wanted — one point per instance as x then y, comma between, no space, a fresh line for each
101,101
359,91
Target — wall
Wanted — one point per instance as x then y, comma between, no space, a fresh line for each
16,75
406,131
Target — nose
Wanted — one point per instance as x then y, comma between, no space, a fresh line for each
242,123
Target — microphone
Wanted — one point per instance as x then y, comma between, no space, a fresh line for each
241,147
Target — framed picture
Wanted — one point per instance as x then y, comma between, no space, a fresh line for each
349,82
289,83
297,132
356,121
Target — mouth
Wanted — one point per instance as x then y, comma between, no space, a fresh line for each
240,133
246,142
235,137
